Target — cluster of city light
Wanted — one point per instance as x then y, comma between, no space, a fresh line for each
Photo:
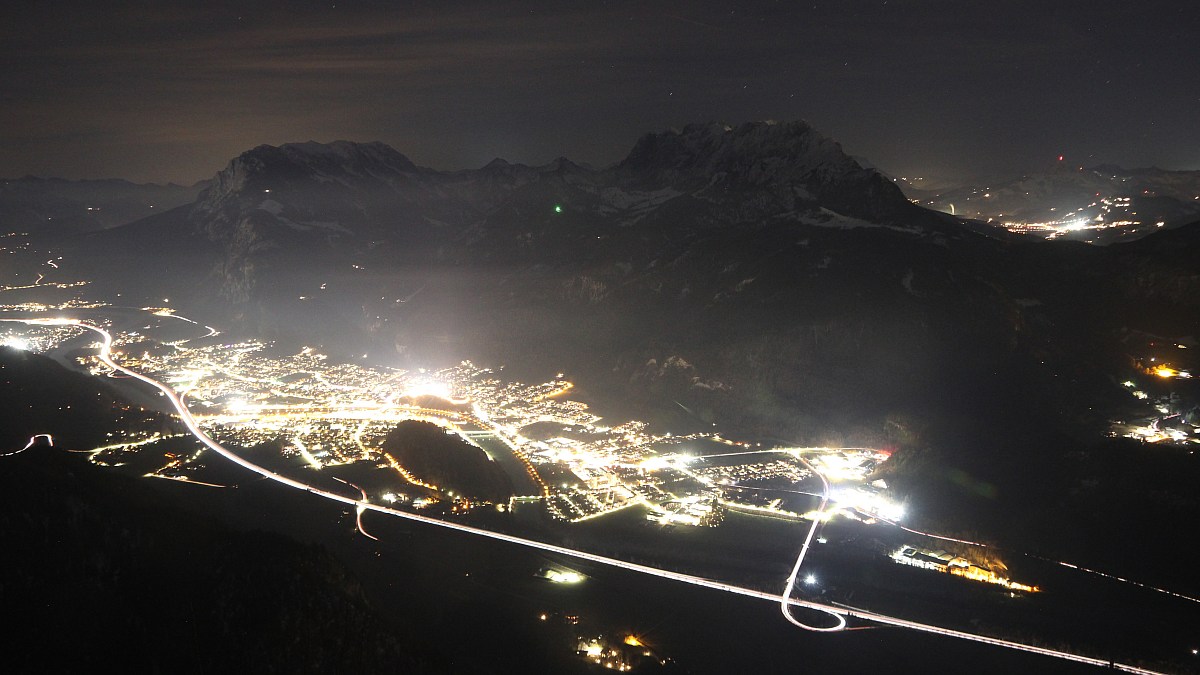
696,509
1167,372
1106,217
40,284
1057,228
426,387
846,464
1169,426
941,561
16,342
98,453
251,398
1154,433
39,340
868,501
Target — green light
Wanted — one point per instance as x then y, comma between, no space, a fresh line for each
558,208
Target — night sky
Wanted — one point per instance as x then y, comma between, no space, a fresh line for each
171,91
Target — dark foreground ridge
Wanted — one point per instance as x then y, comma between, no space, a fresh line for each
102,571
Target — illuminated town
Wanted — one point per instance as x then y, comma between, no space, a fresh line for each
1105,213
941,561
333,414
1171,419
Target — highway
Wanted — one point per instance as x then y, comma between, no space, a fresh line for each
785,605
30,444
787,602
359,509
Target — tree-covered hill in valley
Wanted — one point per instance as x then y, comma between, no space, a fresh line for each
446,460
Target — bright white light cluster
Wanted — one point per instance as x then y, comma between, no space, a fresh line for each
867,501
16,342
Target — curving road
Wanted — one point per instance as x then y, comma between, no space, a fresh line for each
785,604
30,444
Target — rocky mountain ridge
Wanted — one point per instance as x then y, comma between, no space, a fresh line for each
344,190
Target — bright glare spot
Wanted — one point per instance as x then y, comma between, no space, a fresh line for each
653,463
429,388
240,405
893,512
558,208
810,580
563,577
17,343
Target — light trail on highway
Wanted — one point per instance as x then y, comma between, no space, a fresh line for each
785,605
184,479
1114,577
30,444
358,510
786,601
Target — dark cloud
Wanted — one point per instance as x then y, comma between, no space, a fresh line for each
170,91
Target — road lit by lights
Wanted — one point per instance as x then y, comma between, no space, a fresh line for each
32,442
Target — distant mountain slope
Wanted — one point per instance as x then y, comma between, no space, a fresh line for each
1135,200
341,204
52,204
790,161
